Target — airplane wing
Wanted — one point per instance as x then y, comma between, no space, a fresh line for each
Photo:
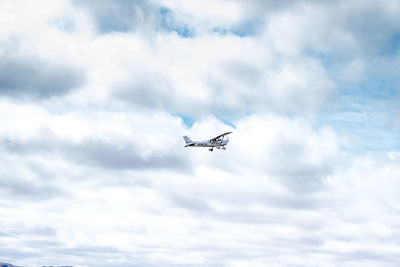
219,136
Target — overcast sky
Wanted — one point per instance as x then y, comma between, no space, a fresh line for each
95,97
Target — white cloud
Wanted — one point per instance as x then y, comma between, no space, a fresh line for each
236,75
281,186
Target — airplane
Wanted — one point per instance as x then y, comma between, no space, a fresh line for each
217,142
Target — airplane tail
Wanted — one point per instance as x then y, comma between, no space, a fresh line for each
187,139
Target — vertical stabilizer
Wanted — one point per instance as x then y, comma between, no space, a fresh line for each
187,139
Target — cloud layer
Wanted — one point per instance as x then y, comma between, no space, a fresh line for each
95,99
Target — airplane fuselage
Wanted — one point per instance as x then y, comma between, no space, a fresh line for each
219,143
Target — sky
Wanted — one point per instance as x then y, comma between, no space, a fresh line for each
95,97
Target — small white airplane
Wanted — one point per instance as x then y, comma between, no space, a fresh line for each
217,142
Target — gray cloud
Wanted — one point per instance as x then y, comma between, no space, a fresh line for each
88,250
148,92
98,153
37,231
15,253
20,187
114,156
32,77
191,203
121,15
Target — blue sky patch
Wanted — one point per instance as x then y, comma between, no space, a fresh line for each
247,28
169,24
188,121
392,46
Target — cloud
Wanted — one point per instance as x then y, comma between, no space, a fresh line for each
225,208
35,78
27,188
206,16
122,157
95,99
122,15
228,83
124,144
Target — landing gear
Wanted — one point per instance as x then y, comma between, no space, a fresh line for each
211,149
223,148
